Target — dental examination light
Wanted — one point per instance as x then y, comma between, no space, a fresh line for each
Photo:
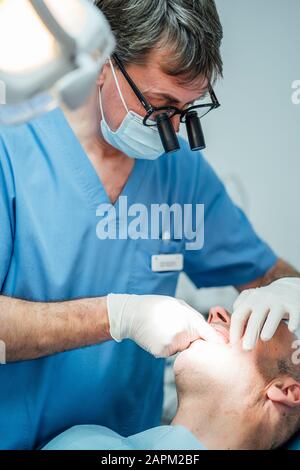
51,52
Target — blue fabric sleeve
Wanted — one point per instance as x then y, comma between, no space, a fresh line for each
233,254
7,199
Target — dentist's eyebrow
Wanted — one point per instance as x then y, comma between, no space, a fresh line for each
172,100
166,97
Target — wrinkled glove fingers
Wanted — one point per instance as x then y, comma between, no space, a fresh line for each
242,298
207,332
202,329
272,322
294,319
254,327
239,319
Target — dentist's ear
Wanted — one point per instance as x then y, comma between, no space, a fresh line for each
285,392
103,73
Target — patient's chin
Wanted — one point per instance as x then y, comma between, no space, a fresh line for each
205,357
190,357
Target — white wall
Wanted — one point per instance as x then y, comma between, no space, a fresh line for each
255,135
253,140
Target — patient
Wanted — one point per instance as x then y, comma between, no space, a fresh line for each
232,399
228,399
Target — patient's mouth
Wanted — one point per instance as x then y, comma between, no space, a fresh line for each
221,330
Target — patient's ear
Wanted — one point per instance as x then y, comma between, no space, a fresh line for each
285,392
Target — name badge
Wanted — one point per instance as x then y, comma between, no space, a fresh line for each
163,263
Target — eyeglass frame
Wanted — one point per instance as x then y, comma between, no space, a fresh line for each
152,109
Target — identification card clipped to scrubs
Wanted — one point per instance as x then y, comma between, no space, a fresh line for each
169,262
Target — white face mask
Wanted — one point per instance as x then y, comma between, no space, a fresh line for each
132,137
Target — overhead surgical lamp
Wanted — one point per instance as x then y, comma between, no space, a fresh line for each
49,45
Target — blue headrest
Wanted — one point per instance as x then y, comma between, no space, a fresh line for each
293,443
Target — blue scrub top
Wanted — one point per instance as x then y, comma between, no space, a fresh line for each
49,251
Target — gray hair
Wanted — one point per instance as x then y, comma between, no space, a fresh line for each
189,31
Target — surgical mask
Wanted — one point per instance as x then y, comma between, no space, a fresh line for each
132,137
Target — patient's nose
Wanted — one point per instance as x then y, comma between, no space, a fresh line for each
219,314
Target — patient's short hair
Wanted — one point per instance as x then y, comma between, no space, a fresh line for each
291,419
290,422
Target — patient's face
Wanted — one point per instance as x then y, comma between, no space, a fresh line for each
215,369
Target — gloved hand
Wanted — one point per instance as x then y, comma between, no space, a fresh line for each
159,324
263,308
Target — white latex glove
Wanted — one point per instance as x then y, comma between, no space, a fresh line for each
159,324
263,308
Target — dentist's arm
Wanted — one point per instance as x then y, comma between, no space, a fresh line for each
34,329
278,271
262,305
159,324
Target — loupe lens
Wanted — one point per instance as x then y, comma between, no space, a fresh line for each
167,133
194,131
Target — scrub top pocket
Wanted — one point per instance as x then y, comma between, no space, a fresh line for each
143,280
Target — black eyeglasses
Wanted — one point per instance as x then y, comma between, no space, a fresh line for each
161,116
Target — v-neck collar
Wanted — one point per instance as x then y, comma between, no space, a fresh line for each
90,180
